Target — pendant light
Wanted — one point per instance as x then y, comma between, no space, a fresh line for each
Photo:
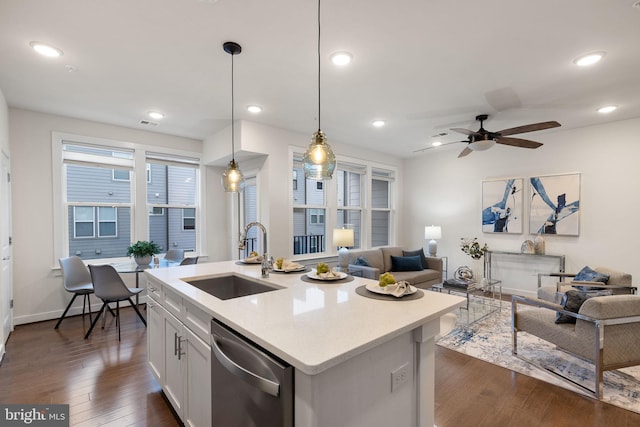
319,162
232,179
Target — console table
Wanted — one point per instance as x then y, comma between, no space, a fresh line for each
489,255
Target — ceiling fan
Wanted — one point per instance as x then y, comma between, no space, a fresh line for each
482,139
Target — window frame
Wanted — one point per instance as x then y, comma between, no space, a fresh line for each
138,206
367,170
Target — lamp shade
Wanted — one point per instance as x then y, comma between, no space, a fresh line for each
343,237
433,232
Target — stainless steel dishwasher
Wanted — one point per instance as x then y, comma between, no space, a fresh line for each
249,386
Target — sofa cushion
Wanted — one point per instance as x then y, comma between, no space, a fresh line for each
406,263
387,252
573,300
373,256
420,253
417,278
361,260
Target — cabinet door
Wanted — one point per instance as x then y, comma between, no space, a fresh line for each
197,404
173,372
155,339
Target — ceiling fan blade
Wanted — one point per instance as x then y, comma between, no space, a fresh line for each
518,142
465,152
529,128
464,131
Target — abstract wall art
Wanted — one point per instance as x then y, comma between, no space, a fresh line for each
502,210
555,204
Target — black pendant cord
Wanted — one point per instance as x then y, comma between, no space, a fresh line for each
319,127
233,134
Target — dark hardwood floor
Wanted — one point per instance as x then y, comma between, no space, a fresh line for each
107,382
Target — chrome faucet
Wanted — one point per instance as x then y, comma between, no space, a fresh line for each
266,265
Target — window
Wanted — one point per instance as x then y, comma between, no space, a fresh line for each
107,221
360,197
309,213
316,216
380,208
349,179
189,219
96,196
248,202
171,197
83,220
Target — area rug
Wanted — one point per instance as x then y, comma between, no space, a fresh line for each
489,339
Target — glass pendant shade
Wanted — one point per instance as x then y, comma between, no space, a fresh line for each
319,162
232,179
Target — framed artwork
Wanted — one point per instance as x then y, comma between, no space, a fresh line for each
502,209
555,204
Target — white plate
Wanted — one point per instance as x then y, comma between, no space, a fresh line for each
383,290
244,261
314,275
281,270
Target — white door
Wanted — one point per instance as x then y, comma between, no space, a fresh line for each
6,275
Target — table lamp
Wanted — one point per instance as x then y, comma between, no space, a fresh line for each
343,237
432,233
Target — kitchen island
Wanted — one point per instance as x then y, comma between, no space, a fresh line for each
358,361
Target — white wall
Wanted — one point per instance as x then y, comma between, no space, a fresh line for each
275,173
5,279
446,191
38,291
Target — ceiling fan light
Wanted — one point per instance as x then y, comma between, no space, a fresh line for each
436,143
482,144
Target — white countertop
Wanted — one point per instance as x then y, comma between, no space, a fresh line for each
312,326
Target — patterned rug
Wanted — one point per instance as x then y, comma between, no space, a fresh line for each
489,339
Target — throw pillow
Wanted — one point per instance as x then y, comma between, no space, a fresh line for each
362,261
573,299
406,263
420,253
590,275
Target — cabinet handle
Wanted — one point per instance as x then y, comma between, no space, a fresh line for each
152,289
175,343
150,305
180,353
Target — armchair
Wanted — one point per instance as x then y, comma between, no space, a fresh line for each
618,282
606,331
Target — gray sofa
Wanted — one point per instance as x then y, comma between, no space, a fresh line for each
379,261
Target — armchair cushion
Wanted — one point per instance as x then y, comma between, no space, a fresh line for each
573,300
589,275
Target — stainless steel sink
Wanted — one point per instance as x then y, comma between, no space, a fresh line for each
231,286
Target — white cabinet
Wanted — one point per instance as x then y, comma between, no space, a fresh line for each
178,357
155,338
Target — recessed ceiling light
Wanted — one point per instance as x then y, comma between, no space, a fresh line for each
341,58
436,143
589,59
378,123
45,49
155,115
255,109
607,109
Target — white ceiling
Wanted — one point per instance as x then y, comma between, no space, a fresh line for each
423,66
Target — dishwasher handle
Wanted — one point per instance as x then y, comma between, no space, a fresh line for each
264,384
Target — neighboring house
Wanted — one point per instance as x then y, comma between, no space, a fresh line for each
105,231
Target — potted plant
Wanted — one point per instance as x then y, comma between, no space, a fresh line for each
143,251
